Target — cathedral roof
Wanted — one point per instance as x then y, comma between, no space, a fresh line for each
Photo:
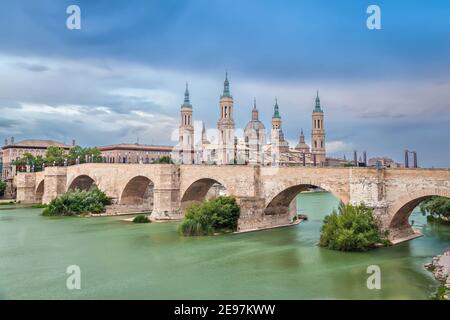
255,125
301,146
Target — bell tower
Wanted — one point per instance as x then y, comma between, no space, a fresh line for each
225,126
318,133
186,131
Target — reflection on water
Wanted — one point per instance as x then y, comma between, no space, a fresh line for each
151,261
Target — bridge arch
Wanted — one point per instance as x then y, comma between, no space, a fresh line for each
404,206
280,203
39,192
82,182
138,191
202,189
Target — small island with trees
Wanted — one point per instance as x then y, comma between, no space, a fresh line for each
78,203
351,228
216,216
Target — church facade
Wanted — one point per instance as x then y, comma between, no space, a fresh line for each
256,145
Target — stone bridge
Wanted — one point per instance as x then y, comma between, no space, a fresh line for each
265,194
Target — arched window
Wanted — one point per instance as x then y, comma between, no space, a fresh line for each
321,143
315,144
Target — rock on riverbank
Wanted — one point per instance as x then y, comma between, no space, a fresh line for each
440,267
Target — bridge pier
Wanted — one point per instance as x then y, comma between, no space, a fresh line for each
166,204
55,181
26,186
253,215
166,195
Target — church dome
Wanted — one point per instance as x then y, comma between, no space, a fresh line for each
302,146
254,125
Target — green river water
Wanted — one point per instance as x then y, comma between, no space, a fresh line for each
151,261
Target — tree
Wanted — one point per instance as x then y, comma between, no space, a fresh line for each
94,154
77,202
352,228
436,207
217,215
164,159
54,155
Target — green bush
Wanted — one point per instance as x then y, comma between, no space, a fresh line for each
440,293
77,202
2,187
350,229
163,159
219,215
437,209
141,219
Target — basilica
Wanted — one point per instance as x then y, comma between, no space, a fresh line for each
222,145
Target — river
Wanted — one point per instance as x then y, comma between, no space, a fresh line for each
151,261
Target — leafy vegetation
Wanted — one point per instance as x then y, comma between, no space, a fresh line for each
352,228
219,215
164,159
437,209
77,203
58,156
440,293
141,219
2,187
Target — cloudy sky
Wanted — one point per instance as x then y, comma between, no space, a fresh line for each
122,76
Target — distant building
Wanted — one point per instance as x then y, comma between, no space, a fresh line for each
15,150
384,161
133,153
338,162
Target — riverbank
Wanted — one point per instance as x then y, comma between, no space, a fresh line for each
440,267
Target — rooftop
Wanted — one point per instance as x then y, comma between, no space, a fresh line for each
36,143
135,146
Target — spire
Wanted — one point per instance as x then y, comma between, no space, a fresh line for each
276,111
317,108
302,137
187,103
254,111
226,87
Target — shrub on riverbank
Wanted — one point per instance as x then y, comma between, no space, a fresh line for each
440,294
2,187
141,219
77,203
437,209
219,215
352,228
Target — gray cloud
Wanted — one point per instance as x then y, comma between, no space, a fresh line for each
108,101
32,67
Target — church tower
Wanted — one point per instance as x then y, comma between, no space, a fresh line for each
225,126
278,144
186,131
318,133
